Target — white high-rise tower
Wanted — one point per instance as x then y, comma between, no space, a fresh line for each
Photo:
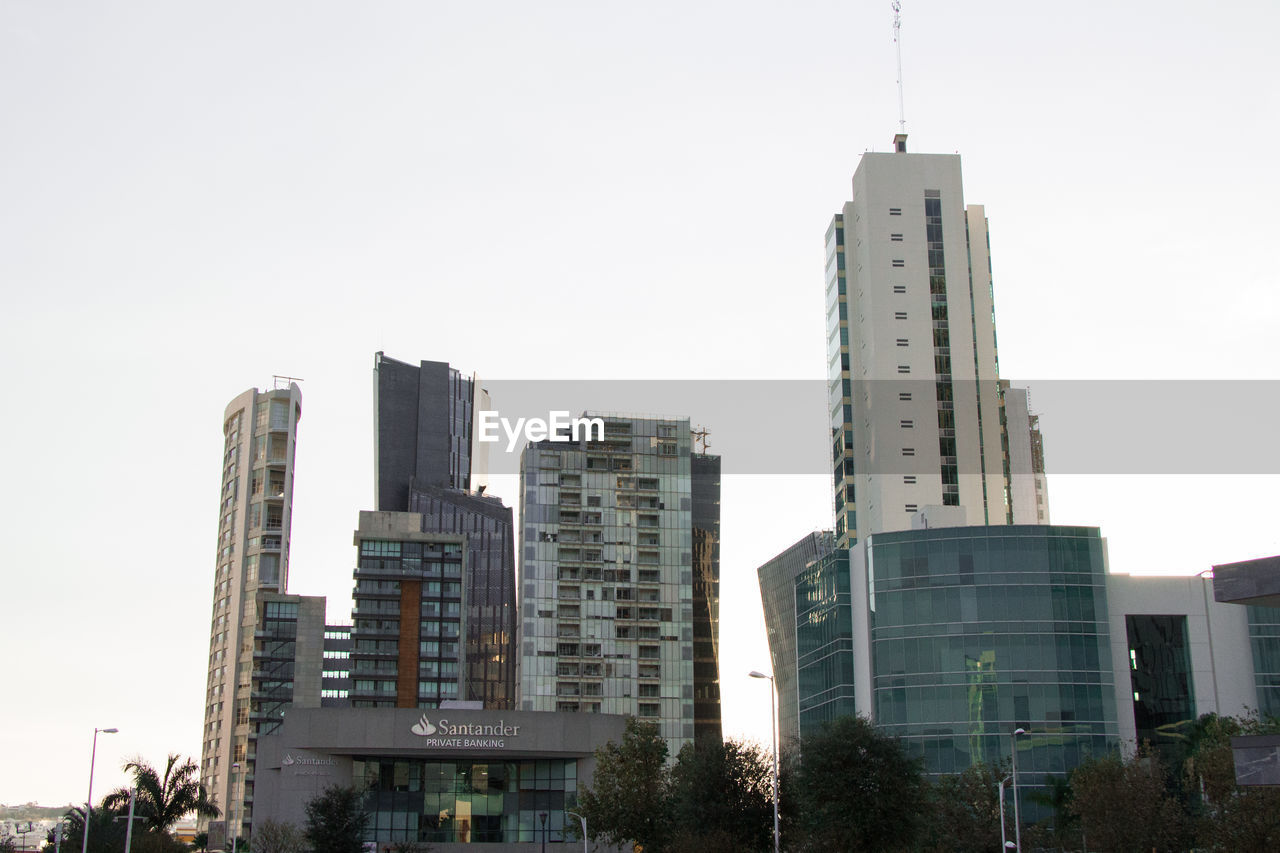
917,415
254,511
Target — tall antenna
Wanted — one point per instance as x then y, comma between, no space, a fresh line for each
897,40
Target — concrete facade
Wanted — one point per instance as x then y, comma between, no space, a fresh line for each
254,519
1221,662
317,748
913,374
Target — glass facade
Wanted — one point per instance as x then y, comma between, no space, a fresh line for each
607,574
489,591
1264,639
1159,673
407,623
977,631
411,800
778,594
824,641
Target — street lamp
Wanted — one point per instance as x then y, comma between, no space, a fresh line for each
1004,844
1017,818
235,824
584,828
543,815
773,730
88,806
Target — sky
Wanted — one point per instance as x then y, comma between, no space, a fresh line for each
196,197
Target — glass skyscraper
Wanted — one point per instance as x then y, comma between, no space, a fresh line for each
612,617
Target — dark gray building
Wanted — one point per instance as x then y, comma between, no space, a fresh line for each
423,419
488,662
704,492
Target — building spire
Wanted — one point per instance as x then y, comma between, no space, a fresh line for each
899,140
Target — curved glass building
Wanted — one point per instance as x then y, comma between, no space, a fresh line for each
978,631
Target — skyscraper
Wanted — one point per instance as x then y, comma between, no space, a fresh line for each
778,594
913,374
255,509
428,479
423,423
607,575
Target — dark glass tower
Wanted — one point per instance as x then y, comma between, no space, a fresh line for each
422,429
488,662
705,495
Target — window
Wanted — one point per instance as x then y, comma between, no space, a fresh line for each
648,709
904,368
905,396
906,424
908,451
899,263
896,238
909,479
902,342
899,288
895,211
911,507
899,315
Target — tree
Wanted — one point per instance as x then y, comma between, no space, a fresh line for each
966,810
201,841
336,821
8,844
856,790
270,836
106,834
163,800
1064,827
721,798
1127,805
628,798
1231,817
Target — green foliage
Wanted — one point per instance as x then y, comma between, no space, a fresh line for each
106,834
201,841
1230,817
336,821
857,790
163,800
1128,805
628,796
271,836
965,811
722,798
1056,794
8,844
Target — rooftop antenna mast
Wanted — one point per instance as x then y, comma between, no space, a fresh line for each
897,40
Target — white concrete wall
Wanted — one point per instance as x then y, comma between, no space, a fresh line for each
1218,634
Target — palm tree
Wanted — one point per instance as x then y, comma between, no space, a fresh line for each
163,801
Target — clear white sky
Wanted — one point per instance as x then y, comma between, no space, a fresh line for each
195,196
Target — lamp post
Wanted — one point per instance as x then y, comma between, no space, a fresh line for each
1004,844
1017,818
235,824
88,806
543,816
584,828
773,730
